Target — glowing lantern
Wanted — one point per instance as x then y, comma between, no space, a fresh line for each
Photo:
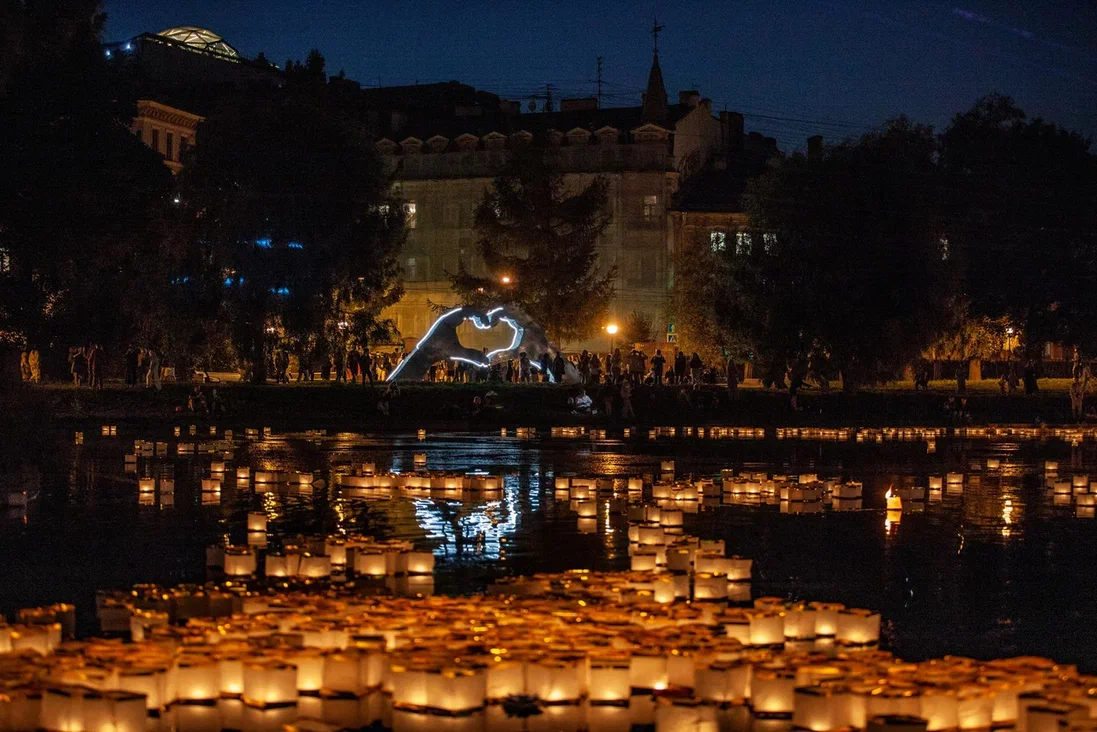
197,678
217,467
826,617
858,627
239,561
679,560
420,563
503,679
635,485
421,434
648,671
894,502
772,691
457,690
211,485
282,565
315,567
609,679
940,709
270,683
708,586
738,569
118,711
667,466
146,485
649,535
257,521
644,560
369,562
586,509
935,483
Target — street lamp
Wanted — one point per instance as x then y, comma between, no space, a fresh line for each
505,279
611,328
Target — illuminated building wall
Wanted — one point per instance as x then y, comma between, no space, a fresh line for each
166,130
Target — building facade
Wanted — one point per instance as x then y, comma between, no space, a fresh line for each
645,153
167,130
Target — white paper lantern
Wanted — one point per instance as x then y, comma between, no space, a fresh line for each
457,690
117,711
257,521
369,562
857,627
270,683
240,561
826,617
420,563
197,678
314,566
772,691
648,670
586,509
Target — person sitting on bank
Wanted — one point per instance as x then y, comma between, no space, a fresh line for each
581,403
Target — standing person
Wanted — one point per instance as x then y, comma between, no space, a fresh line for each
353,363
635,366
961,376
153,376
696,366
340,364
681,367
304,365
733,379
131,366
594,366
35,363
524,366
795,383
78,365
615,365
607,394
1077,396
626,400
366,362
559,368
546,367
24,365
95,366
1031,385
657,364
510,371
584,367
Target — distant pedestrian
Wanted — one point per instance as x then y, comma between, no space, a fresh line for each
626,400
524,367
1031,385
95,366
681,367
153,376
353,364
559,368
733,378
24,365
78,365
1077,396
696,366
366,364
546,367
657,364
35,363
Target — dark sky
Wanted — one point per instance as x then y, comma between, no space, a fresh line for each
793,67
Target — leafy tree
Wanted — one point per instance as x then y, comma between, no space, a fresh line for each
293,224
845,261
638,327
84,206
701,273
1022,217
539,242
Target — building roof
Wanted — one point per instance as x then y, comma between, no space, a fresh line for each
200,39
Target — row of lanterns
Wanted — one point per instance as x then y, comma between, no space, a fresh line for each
318,557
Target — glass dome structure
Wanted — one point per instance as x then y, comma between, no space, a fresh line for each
200,39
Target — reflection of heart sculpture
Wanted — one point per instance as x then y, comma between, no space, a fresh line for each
442,344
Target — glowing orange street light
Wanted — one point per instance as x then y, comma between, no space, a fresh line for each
505,279
612,328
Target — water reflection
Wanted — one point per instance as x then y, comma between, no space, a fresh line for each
999,563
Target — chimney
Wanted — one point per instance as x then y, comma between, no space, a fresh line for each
815,147
691,97
734,123
575,105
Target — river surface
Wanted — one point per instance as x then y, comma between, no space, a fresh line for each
999,568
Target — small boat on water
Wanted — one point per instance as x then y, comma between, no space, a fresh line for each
20,487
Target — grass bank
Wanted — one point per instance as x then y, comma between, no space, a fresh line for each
448,406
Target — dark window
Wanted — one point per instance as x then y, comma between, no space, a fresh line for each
170,147
156,139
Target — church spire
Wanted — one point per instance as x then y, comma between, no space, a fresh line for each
655,98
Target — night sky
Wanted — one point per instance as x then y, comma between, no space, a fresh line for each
793,67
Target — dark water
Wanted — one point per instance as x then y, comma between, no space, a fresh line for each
997,570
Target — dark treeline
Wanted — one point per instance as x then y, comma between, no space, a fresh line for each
868,254
281,229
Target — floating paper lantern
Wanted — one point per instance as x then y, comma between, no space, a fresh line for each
282,564
935,483
146,485
644,560
826,617
270,683
211,485
772,691
314,567
894,502
993,463
708,586
586,509
419,459
217,467
1051,466
738,569
239,561
609,680
197,678
420,563
257,521
421,434
857,627
263,476
667,466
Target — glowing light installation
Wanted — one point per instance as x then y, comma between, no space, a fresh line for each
441,343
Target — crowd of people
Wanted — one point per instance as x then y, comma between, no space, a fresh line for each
354,365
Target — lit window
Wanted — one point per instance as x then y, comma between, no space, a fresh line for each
742,243
5,261
943,242
769,241
410,269
651,204
410,214
718,240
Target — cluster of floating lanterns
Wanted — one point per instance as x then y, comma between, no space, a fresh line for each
1073,433
366,482
586,650
317,558
829,434
1079,488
